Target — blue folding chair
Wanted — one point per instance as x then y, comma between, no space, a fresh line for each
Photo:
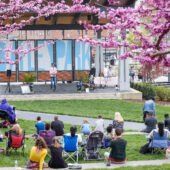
159,142
71,147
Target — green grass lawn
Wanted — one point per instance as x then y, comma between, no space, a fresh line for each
91,108
133,146
158,167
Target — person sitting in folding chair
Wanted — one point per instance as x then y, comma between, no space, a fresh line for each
56,160
16,138
159,137
47,134
71,144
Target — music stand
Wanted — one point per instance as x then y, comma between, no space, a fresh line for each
8,88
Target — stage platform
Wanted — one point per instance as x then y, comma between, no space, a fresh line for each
65,91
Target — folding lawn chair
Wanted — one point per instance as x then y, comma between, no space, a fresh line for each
71,147
159,142
15,143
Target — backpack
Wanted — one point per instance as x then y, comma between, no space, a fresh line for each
145,149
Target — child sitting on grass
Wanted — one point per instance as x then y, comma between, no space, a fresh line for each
85,127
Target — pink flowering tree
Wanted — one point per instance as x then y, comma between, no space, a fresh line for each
149,24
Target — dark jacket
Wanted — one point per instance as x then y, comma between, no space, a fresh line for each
58,127
118,149
167,123
150,123
56,160
6,107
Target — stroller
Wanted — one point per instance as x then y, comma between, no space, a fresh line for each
93,146
6,117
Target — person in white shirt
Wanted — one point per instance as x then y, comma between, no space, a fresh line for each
110,72
99,124
53,75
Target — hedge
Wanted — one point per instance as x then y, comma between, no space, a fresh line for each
160,93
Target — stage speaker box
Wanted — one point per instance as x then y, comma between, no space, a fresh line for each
8,73
112,62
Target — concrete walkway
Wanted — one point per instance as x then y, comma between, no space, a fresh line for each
103,165
74,120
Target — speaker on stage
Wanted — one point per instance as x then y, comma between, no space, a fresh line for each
8,73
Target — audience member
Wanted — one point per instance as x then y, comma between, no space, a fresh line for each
108,136
1,137
57,126
167,121
109,133
118,122
99,124
85,127
160,131
118,149
37,155
39,125
56,160
9,109
47,134
148,106
150,122
15,131
72,133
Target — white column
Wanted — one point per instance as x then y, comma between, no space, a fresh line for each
124,79
99,61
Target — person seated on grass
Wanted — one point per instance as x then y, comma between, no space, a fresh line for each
160,132
37,155
56,160
99,124
85,127
72,133
1,137
9,109
167,121
108,136
39,125
118,122
47,134
150,122
118,149
57,126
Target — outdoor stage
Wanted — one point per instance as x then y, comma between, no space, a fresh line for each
65,91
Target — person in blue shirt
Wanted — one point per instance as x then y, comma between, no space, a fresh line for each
85,127
39,125
9,109
148,106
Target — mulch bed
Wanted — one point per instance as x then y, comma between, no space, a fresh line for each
142,101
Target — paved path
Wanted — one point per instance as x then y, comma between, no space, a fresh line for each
74,119
102,165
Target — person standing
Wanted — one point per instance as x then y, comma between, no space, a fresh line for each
148,106
53,75
132,73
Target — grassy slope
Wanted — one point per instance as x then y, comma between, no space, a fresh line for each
90,108
133,146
